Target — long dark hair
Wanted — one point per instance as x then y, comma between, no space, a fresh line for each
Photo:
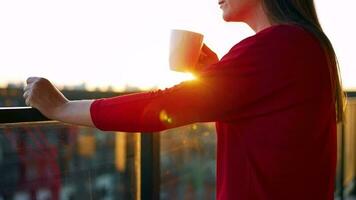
303,13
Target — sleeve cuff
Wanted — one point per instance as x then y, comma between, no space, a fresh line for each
95,113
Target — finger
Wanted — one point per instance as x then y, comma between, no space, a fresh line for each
31,79
203,54
27,87
202,57
207,50
28,102
26,94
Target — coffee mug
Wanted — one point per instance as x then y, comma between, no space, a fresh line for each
185,47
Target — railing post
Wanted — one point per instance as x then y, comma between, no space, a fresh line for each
342,161
150,166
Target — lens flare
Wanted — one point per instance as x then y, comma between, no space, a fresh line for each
163,116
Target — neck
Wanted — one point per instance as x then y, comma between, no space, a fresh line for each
258,19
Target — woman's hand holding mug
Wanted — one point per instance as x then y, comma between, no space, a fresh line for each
207,57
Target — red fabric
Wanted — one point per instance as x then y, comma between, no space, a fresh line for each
275,119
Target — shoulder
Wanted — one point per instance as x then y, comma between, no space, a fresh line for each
283,40
286,34
283,48
282,36
282,30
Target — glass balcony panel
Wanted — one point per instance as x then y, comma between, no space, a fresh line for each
66,162
187,161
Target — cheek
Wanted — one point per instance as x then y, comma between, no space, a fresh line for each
231,13
238,10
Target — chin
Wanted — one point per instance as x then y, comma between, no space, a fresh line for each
232,18
227,18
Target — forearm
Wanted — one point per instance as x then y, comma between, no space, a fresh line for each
75,112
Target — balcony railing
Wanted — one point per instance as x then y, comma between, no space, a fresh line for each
28,124
146,180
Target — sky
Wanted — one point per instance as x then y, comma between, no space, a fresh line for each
118,43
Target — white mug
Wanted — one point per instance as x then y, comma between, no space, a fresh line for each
185,47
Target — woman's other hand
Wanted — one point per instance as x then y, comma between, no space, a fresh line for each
207,57
41,94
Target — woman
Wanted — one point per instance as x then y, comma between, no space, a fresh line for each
275,98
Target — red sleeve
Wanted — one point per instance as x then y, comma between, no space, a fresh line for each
255,69
188,102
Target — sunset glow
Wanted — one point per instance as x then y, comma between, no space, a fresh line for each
125,43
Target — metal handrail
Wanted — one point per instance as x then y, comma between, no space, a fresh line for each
19,116
15,115
351,94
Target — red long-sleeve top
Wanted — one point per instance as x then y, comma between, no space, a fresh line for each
271,100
